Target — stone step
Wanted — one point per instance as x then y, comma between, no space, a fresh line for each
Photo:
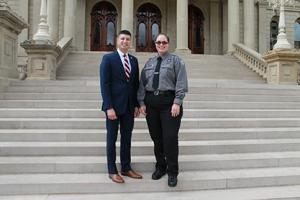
77,135
196,66
96,123
188,180
189,97
97,164
258,193
93,86
64,135
188,113
96,104
196,88
33,83
146,147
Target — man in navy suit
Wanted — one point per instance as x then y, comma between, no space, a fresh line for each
119,80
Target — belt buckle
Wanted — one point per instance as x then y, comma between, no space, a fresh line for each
156,92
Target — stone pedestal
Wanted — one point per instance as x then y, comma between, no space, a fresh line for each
282,66
42,61
11,26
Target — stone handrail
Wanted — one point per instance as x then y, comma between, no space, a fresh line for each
65,47
252,59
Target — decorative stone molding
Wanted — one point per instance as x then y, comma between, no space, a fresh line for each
11,26
42,59
282,66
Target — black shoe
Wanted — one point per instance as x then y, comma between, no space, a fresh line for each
157,174
172,180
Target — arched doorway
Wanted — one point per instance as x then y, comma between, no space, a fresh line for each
148,27
273,31
196,30
103,27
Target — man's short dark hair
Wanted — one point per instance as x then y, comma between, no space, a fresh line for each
125,32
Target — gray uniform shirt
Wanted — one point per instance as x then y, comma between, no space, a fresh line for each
172,76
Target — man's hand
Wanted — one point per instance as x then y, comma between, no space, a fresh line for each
136,112
175,111
143,110
111,114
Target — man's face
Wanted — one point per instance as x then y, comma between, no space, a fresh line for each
124,42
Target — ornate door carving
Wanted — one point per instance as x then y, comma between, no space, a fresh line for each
148,27
103,27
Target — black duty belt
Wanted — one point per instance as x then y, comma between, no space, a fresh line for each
163,93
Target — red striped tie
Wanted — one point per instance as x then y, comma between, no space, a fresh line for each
126,67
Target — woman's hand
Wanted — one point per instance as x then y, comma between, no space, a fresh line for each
143,110
175,111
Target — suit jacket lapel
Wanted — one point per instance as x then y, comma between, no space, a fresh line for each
120,64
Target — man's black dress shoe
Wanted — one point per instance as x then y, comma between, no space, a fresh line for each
172,180
157,174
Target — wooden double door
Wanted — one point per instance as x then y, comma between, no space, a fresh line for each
196,30
103,27
104,23
148,27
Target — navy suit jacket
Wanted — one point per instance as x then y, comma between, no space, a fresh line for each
118,92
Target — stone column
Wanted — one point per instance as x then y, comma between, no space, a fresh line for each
249,29
262,28
215,28
127,15
182,27
127,20
23,12
69,19
233,24
53,11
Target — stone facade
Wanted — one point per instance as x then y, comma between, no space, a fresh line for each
10,27
215,23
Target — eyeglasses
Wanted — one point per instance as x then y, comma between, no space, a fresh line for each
161,42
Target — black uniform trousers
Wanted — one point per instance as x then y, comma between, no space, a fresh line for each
126,122
163,130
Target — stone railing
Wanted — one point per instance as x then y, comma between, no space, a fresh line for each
252,59
65,47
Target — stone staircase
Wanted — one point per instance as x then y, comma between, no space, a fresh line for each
238,136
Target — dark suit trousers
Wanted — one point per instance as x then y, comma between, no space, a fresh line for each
126,122
163,130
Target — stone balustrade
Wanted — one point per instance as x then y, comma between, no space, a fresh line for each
251,58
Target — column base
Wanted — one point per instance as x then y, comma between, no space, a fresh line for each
41,60
183,51
282,66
